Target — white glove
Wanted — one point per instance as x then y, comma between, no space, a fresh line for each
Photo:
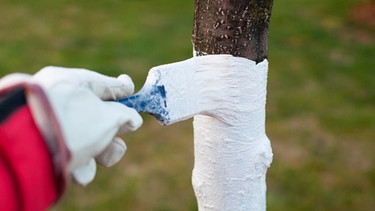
87,117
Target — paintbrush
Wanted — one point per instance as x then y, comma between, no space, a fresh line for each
200,85
165,94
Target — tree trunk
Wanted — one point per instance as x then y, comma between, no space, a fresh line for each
231,158
236,27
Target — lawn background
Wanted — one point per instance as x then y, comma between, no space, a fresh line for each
320,105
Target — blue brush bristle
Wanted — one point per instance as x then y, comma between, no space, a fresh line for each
152,100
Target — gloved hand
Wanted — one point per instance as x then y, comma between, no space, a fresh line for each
82,114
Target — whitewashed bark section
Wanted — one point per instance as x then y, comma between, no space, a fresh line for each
232,151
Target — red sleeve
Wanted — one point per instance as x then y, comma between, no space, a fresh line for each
27,180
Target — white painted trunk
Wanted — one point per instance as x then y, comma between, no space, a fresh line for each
232,151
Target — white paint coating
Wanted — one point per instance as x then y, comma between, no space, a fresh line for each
205,85
232,151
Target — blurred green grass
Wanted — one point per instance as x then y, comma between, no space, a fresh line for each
320,106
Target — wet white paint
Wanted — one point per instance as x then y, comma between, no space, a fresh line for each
232,151
227,96
205,85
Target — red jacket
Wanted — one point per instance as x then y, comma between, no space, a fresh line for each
27,178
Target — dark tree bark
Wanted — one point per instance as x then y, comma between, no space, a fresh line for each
236,27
